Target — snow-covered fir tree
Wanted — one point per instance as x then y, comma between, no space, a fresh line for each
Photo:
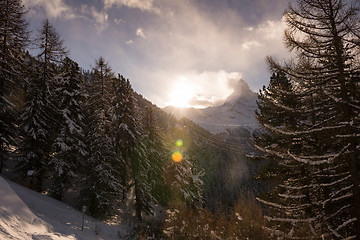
325,78
13,39
102,181
34,130
182,173
38,121
51,52
289,208
147,169
117,127
157,155
126,132
69,146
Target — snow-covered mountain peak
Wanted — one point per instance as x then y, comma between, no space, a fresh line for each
237,111
241,92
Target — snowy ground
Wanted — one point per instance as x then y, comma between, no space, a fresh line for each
26,214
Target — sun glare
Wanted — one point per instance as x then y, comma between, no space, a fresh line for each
181,94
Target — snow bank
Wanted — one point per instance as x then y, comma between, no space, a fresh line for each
17,221
26,214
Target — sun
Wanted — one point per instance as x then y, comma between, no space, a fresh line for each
181,94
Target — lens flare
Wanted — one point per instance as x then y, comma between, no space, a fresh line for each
176,156
179,143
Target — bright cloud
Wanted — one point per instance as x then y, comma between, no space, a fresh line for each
140,33
100,17
184,40
195,45
202,89
271,30
248,45
145,5
129,42
53,8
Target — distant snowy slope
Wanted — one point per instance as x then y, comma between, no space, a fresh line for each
237,111
26,214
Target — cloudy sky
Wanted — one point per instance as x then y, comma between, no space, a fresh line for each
177,52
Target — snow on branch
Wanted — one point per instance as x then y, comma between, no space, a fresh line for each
348,135
338,211
279,105
281,155
279,233
291,220
334,232
354,106
346,223
293,133
328,158
291,196
335,182
279,206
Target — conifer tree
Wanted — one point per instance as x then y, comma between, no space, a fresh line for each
51,52
69,146
117,127
13,39
34,147
148,160
325,35
103,187
157,155
182,174
125,128
38,121
127,131
289,206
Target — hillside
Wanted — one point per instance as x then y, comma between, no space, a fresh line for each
26,214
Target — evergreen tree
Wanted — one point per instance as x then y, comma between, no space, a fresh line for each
127,130
51,52
185,182
147,169
38,125
118,127
157,155
325,79
102,183
289,205
34,131
182,173
125,127
69,145
13,39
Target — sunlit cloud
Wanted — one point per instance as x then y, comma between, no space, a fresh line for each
118,21
140,33
99,17
201,89
272,30
191,40
144,5
53,8
184,40
248,45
